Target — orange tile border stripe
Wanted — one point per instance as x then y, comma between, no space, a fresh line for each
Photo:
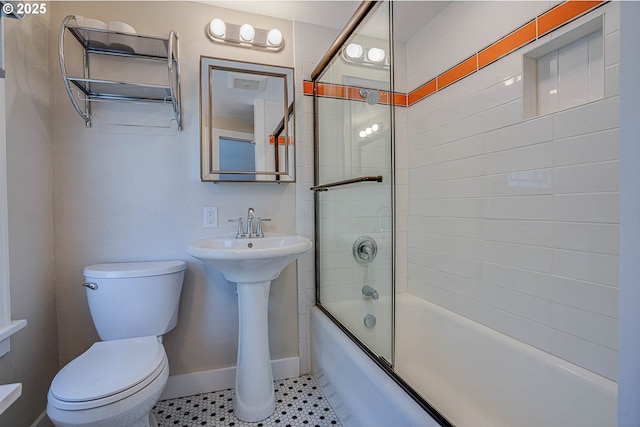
422,92
329,90
281,140
397,99
527,33
333,91
506,45
458,72
307,87
338,91
400,99
563,13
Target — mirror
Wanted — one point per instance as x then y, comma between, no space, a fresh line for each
246,122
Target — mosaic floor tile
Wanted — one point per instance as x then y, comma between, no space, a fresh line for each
299,403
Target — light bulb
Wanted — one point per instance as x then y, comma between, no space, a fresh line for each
353,50
376,54
362,134
247,32
368,131
274,37
217,27
375,127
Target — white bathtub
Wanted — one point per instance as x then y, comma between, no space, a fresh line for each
475,376
361,394
351,314
481,378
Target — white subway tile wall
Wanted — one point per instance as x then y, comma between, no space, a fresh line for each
311,42
511,222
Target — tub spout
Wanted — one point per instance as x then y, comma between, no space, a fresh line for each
370,292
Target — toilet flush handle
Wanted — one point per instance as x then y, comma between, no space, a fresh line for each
90,285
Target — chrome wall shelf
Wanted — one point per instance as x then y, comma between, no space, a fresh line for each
104,42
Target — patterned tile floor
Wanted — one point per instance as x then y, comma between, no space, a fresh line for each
299,403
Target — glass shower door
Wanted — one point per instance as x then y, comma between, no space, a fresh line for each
354,178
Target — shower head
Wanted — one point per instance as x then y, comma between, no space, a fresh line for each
372,96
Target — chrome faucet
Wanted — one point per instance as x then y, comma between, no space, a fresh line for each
253,225
370,292
251,219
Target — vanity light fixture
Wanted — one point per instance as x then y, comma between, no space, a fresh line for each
245,35
217,27
274,37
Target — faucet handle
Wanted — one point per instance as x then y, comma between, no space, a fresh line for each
240,231
259,221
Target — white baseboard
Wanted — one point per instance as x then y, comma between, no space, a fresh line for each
222,379
42,421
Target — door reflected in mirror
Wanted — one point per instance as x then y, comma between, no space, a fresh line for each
247,122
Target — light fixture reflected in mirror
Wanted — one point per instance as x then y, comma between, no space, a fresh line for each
245,35
370,130
354,51
357,54
376,54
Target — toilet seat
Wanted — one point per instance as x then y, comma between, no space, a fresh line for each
109,371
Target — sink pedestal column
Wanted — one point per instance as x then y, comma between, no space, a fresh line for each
255,397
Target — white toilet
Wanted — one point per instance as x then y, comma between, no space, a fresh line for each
117,381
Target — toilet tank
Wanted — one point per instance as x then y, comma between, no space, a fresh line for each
134,299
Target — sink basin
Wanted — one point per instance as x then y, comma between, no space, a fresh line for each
252,264
249,260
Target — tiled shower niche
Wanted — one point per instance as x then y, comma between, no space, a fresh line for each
565,72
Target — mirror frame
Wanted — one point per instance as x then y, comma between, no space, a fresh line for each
284,131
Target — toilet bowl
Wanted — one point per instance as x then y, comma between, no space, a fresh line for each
116,383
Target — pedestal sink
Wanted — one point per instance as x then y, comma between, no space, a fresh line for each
252,263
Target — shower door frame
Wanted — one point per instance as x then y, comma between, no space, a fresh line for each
352,25
360,15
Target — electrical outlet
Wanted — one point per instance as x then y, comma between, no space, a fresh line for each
210,217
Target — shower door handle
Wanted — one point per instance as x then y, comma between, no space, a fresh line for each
325,187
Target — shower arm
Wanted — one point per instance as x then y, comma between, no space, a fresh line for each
325,187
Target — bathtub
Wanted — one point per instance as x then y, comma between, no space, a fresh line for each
479,377
473,375
361,394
